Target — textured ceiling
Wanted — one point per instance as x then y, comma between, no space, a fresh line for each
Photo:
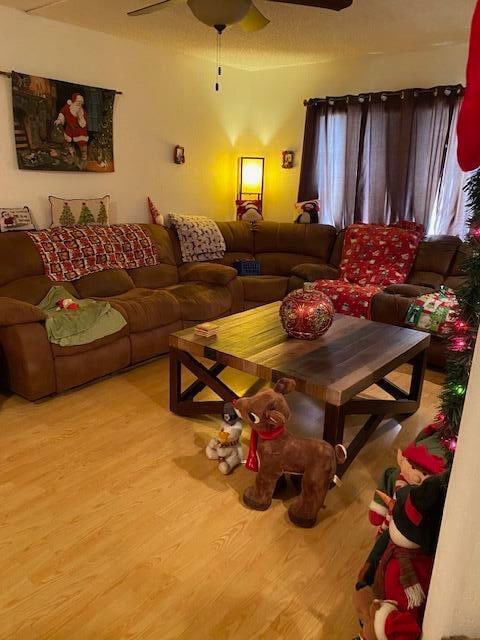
296,35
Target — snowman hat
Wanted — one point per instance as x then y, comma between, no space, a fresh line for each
417,513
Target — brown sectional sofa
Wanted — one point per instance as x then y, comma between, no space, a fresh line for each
159,300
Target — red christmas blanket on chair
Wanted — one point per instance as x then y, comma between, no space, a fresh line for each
373,257
68,253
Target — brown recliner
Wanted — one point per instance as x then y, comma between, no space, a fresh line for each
161,299
155,301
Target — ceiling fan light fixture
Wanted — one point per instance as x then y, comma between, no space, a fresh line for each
213,12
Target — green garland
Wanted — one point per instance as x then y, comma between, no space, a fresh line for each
462,340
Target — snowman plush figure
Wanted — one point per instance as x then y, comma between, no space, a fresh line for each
226,447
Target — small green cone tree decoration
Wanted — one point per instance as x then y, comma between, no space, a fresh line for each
86,216
102,214
462,339
66,217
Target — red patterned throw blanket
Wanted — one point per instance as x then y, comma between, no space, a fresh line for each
373,257
68,253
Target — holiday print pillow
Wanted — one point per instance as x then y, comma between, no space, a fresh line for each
378,254
16,219
67,212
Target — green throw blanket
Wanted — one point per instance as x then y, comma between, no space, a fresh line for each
92,321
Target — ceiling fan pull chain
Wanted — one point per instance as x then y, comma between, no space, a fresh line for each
219,60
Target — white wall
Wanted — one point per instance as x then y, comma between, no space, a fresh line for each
166,100
453,606
277,114
169,100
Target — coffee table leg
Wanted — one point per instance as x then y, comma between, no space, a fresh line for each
334,424
418,375
175,381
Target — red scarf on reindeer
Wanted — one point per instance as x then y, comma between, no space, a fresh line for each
252,458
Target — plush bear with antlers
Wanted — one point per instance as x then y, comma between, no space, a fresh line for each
274,451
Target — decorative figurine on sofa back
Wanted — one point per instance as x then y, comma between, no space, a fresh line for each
274,451
226,447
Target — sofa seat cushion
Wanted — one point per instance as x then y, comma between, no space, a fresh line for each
200,302
207,272
59,352
146,309
264,289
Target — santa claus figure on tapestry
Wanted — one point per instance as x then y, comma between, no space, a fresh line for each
73,120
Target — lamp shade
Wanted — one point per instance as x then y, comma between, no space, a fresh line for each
223,12
251,176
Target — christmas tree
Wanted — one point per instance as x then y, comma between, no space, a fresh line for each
86,216
66,217
463,337
102,215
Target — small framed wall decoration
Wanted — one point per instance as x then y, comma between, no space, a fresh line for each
288,158
179,155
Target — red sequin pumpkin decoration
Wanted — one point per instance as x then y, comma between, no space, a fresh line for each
306,314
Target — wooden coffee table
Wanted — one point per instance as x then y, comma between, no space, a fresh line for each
353,355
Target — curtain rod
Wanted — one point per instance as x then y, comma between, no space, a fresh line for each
8,74
384,95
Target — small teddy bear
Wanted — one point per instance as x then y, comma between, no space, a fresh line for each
226,447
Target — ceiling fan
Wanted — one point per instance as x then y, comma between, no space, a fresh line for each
220,14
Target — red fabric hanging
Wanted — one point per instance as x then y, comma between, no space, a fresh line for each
469,119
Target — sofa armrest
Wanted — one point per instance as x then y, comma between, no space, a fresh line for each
313,271
208,272
14,312
408,290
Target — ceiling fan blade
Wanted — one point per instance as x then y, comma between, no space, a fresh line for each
254,20
151,8
335,5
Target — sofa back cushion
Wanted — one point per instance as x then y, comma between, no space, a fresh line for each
104,284
435,257
18,257
238,236
33,289
281,246
156,277
166,243
313,240
456,276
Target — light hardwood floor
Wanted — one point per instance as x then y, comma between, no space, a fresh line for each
114,525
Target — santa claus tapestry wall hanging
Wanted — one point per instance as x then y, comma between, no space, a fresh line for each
61,126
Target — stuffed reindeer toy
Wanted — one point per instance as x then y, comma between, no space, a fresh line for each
274,451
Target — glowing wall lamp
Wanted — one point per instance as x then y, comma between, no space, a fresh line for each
250,188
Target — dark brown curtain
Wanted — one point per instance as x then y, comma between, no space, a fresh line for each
382,157
308,188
